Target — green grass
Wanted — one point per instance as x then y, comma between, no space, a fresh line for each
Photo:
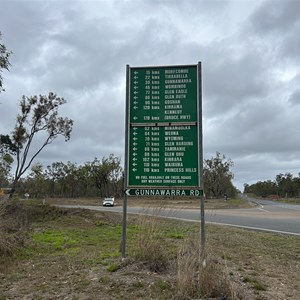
256,284
113,267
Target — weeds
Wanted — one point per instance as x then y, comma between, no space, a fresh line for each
149,246
201,275
113,267
198,274
255,283
13,226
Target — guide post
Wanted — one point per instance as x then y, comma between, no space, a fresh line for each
163,133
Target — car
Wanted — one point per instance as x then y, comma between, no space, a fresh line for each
109,201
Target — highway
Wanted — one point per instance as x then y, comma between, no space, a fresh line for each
265,216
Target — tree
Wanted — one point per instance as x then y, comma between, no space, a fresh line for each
5,168
55,174
6,159
71,179
39,115
287,186
36,183
106,174
4,61
217,176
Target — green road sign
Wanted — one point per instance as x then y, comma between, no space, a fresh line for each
164,127
163,156
164,192
163,94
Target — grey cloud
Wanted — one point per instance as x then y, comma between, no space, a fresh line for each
275,17
279,23
294,99
233,81
291,44
80,49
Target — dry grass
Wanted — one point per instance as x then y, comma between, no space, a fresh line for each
199,274
13,226
148,246
15,217
203,274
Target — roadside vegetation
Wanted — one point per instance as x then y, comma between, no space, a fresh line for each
53,253
96,178
285,187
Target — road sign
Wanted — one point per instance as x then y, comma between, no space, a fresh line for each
163,94
164,192
164,127
163,136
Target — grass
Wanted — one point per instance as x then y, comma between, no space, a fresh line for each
290,200
256,285
77,253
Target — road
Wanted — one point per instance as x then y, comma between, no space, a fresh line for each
266,216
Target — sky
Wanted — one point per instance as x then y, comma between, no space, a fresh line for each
250,56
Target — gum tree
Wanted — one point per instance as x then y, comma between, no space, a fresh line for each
6,158
38,117
218,176
4,61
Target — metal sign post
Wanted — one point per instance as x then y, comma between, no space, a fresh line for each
163,136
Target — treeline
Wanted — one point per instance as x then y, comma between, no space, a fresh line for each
98,178
105,177
285,185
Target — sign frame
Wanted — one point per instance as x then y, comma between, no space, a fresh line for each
198,189
130,123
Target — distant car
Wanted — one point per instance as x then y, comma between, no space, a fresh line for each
109,201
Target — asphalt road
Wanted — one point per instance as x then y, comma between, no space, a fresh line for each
266,216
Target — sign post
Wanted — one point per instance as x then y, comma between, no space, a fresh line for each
163,136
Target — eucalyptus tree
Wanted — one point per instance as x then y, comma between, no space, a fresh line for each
38,116
86,182
218,176
55,175
4,61
288,185
35,182
285,185
6,159
71,179
106,173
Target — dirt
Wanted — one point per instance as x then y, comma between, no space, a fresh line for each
62,278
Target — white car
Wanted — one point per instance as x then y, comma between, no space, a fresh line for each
109,201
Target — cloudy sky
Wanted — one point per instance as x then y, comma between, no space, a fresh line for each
250,54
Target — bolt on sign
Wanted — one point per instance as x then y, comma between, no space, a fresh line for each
163,129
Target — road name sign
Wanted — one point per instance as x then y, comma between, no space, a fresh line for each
164,192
